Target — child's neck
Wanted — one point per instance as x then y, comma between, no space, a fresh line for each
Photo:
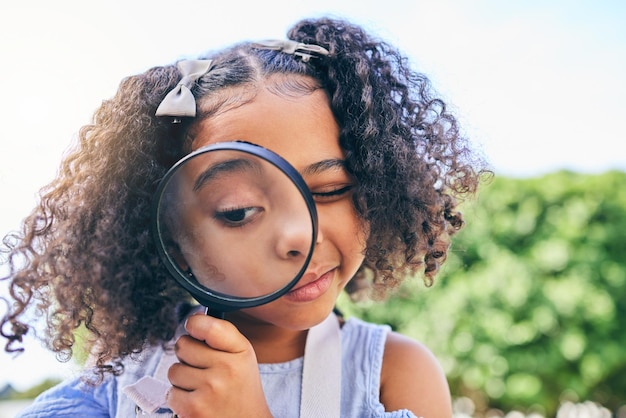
271,343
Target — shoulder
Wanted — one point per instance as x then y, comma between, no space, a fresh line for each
411,378
75,397
72,397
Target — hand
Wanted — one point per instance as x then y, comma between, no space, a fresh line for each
218,375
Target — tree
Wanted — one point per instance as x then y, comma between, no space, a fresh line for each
526,312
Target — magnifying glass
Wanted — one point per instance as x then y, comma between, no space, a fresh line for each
235,225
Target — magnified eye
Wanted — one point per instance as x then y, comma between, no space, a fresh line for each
238,216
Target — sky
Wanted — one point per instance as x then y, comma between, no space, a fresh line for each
538,85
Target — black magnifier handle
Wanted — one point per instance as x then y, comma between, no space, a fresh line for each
215,313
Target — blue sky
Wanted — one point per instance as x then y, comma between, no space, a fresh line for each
537,85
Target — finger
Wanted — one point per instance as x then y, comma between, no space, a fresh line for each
180,401
217,333
193,352
185,377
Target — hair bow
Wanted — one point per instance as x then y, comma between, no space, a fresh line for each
302,50
180,100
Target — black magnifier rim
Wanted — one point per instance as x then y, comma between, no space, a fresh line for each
207,297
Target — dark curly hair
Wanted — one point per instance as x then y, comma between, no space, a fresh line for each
84,258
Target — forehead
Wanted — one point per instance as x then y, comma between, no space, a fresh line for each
299,127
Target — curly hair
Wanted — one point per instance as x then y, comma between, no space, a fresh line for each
85,257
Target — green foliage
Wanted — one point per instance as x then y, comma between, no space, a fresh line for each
529,307
30,393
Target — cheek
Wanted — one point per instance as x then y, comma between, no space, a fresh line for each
346,230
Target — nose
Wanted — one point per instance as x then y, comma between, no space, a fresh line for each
294,239
320,236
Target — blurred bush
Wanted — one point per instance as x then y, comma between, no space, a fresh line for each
528,310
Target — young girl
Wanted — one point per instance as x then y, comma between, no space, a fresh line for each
384,161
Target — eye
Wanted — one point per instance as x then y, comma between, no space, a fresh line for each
237,217
332,194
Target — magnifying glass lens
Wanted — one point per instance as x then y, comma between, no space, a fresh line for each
235,226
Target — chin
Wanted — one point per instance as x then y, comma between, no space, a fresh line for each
285,315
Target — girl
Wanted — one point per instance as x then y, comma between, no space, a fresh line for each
384,161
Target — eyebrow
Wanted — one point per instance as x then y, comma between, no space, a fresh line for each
324,165
239,165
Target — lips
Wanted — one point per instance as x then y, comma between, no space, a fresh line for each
311,289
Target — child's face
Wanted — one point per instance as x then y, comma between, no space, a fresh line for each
235,218
303,131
